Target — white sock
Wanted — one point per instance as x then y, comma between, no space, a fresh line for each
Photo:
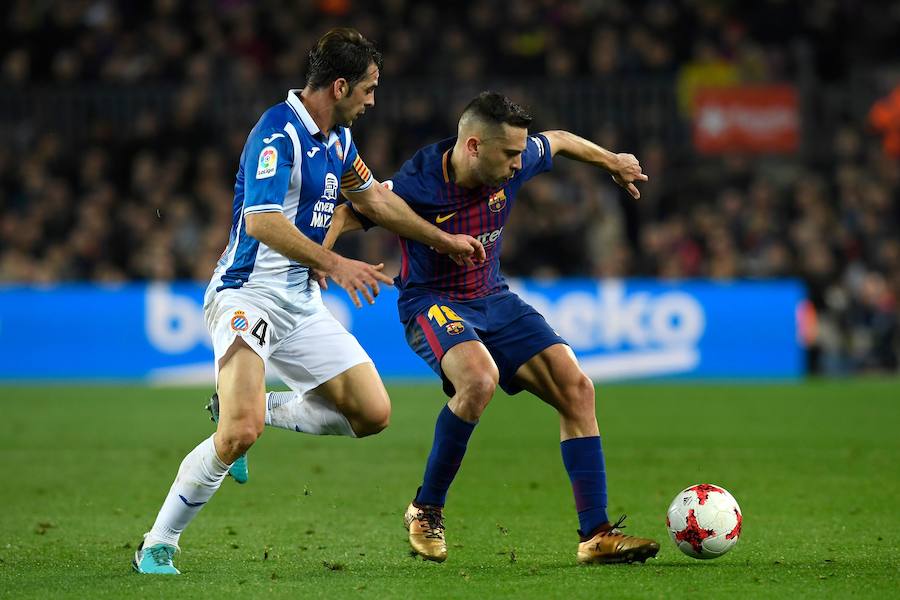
309,413
199,476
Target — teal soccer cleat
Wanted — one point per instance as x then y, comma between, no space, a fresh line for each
239,470
155,560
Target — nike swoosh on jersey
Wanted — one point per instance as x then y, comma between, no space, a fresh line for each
274,136
440,219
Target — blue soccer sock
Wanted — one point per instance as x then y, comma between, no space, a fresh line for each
583,458
451,435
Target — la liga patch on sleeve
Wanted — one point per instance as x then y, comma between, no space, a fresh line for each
268,161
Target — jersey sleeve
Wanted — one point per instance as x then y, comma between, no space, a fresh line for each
536,158
356,176
269,158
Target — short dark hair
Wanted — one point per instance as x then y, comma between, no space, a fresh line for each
342,52
497,109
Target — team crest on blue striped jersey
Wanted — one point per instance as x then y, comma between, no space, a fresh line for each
497,201
339,149
239,321
329,191
455,328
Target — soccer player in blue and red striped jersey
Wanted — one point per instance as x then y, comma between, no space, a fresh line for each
475,333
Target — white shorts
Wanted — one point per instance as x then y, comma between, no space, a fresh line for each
304,350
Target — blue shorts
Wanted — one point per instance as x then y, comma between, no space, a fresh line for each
511,330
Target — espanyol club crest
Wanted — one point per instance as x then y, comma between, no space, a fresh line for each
339,149
455,328
330,190
497,201
239,321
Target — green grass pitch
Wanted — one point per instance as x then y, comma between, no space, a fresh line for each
813,465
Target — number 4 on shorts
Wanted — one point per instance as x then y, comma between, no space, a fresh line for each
259,331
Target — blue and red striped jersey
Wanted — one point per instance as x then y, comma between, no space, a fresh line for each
425,182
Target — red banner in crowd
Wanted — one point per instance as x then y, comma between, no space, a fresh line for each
760,119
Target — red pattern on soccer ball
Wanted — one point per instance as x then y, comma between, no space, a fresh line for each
703,491
693,534
736,532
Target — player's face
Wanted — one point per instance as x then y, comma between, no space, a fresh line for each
352,106
500,156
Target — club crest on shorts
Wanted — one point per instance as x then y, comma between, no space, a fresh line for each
455,328
239,321
497,201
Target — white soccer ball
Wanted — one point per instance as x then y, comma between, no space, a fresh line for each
704,521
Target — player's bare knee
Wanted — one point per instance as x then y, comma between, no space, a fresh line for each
477,390
237,439
376,419
578,397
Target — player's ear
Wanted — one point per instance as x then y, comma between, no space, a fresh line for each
472,145
340,87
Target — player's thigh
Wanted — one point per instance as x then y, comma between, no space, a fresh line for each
241,388
321,355
470,367
359,394
554,376
474,376
514,332
444,336
242,336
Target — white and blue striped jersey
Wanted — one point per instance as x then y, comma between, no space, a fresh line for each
287,166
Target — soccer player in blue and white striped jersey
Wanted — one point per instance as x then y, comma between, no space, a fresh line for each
263,306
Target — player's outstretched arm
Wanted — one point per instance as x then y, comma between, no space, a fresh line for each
623,167
276,232
391,212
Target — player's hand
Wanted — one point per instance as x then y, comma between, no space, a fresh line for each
319,277
358,277
342,220
463,249
626,171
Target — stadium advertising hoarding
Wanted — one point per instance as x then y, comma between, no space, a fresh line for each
762,119
619,329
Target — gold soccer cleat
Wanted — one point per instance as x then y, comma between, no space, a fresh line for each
426,531
610,545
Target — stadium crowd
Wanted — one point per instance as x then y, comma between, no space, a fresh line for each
155,203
